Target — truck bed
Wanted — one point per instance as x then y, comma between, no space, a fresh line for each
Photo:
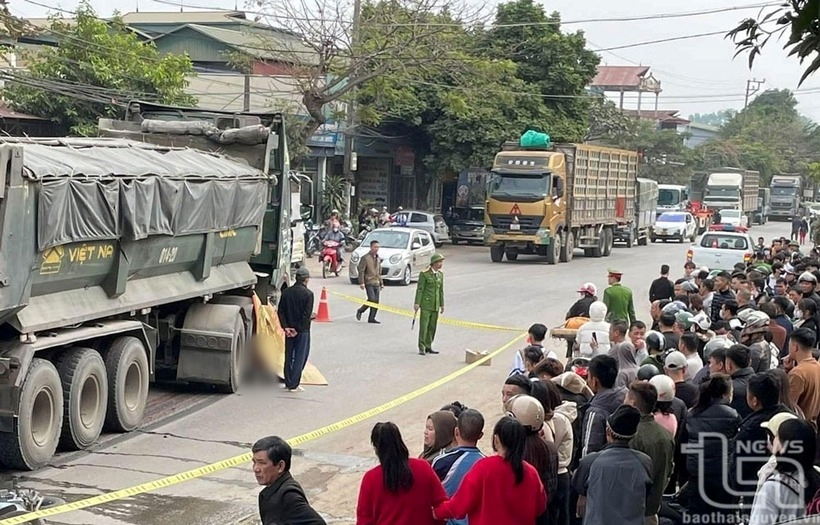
601,184
108,226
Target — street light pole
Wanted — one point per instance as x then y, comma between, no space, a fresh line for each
751,90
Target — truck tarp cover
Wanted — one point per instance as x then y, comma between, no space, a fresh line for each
95,193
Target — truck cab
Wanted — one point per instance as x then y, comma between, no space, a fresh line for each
786,193
672,197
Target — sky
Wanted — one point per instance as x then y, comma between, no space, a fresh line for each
698,75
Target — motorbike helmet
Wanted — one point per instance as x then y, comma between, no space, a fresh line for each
655,341
334,211
647,372
665,387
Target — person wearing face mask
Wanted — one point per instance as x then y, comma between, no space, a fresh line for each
335,234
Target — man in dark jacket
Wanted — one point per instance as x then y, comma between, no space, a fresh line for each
738,359
654,441
282,501
295,314
589,294
723,293
614,483
749,451
662,287
601,377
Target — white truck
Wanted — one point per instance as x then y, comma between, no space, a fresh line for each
732,188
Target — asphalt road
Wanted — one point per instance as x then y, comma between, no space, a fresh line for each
365,365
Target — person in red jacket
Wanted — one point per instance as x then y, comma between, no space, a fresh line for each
401,490
502,489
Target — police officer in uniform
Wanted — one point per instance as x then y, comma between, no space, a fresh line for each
430,300
618,299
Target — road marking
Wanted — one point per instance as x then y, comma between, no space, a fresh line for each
409,313
246,458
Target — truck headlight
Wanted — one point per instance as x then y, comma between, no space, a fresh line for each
394,259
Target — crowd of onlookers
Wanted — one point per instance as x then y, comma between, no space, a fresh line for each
706,414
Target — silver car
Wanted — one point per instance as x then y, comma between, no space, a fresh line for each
432,223
404,252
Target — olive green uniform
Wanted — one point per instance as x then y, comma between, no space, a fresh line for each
430,298
619,305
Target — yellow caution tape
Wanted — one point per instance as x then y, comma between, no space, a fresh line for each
410,313
245,458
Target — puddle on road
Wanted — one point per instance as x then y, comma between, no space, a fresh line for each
156,509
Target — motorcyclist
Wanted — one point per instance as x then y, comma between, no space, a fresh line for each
334,234
334,219
400,218
384,218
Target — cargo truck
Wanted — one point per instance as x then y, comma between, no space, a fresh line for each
550,200
129,262
646,205
252,138
786,195
764,209
732,188
672,197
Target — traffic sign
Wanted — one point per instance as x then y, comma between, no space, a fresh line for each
515,210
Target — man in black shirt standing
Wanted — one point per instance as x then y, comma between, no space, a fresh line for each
662,287
295,314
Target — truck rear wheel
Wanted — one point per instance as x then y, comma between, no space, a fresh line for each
598,251
554,250
567,247
237,358
127,365
36,433
609,241
85,397
511,254
496,253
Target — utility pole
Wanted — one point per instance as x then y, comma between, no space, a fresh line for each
350,128
752,87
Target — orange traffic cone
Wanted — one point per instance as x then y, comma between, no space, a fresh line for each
323,314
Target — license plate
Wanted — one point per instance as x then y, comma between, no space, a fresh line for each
515,226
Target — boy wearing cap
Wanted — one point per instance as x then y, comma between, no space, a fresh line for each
430,300
618,299
614,484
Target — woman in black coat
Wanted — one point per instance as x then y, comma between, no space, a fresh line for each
711,426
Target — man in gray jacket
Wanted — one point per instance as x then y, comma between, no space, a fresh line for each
601,377
614,483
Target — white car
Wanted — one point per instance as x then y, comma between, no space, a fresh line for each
679,225
721,248
404,252
734,218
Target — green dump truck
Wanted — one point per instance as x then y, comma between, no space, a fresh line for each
124,262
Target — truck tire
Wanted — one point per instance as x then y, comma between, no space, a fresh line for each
511,254
496,253
567,247
85,397
554,250
609,241
598,251
630,239
37,429
126,362
237,359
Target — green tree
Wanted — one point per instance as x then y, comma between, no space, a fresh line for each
557,64
716,118
664,155
93,72
799,19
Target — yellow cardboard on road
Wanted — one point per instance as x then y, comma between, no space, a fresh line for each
270,345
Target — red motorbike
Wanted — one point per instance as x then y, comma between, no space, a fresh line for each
330,259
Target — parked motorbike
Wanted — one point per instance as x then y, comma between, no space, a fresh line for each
330,260
313,242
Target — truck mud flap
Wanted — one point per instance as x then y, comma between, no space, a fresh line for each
206,343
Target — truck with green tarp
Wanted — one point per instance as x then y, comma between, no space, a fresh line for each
125,262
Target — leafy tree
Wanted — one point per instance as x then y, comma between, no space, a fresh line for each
557,64
664,155
769,135
331,58
93,72
608,124
800,19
